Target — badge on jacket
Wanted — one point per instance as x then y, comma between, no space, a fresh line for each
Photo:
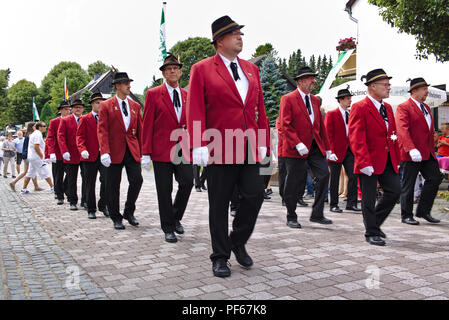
257,114
134,132
394,137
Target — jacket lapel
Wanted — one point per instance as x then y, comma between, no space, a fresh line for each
418,112
249,76
303,107
117,112
376,114
184,102
226,76
168,103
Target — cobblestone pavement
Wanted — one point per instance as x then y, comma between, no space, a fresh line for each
39,240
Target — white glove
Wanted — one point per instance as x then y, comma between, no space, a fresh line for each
331,156
146,162
66,156
368,171
85,154
52,158
106,160
263,152
415,155
302,149
200,156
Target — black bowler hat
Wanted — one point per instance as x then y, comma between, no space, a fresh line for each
417,83
375,75
63,104
121,77
77,102
223,25
343,93
305,72
96,96
171,60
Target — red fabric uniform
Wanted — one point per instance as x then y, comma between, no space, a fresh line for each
86,137
336,132
296,126
112,135
413,131
51,142
159,121
369,138
67,139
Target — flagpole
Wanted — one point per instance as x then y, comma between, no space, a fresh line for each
164,7
162,34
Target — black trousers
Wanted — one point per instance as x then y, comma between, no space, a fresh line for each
83,183
266,171
71,172
91,169
221,183
431,172
335,169
282,172
169,211
296,180
113,180
375,215
60,182
199,180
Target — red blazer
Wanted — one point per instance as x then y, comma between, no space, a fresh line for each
215,103
280,138
336,133
112,135
67,138
86,137
369,139
413,131
51,142
159,121
296,126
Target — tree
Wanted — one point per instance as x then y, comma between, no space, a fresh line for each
427,20
273,87
265,49
47,113
20,97
295,62
191,51
77,79
4,80
85,98
98,67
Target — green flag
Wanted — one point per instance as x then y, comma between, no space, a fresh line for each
162,35
35,112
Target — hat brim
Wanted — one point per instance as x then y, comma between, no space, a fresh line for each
162,68
309,74
228,30
78,104
420,86
344,95
103,99
122,81
377,79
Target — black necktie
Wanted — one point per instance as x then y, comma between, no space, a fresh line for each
96,118
176,102
347,116
77,120
383,112
423,109
234,71
308,105
125,112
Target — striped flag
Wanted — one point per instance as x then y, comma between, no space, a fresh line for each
162,34
35,112
66,91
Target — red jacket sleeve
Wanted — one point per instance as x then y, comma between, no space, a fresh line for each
323,133
81,137
357,137
148,125
329,122
196,107
402,127
51,139
286,116
62,134
103,129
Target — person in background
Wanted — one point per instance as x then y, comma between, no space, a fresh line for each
19,147
9,152
2,139
443,141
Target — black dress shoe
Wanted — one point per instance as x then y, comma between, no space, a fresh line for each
375,240
336,209
266,196
56,197
322,220
60,202
220,268
233,212
410,221
132,221
179,228
91,215
105,212
302,203
198,189
118,225
429,218
242,256
73,207
293,224
170,237
84,205
204,187
269,191
382,235
353,208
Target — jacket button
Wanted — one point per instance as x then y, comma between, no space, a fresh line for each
386,148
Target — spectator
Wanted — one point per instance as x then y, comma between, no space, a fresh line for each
9,152
2,138
19,147
443,141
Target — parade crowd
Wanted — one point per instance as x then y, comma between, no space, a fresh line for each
220,125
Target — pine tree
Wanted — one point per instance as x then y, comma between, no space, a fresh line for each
273,87
47,113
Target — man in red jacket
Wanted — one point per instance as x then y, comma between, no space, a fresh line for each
336,122
304,139
225,102
415,125
164,113
69,150
53,153
374,141
119,135
87,142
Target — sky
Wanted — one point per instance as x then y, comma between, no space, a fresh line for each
37,35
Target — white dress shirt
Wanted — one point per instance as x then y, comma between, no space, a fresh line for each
303,96
170,89
76,118
126,119
377,104
428,117
343,114
242,83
